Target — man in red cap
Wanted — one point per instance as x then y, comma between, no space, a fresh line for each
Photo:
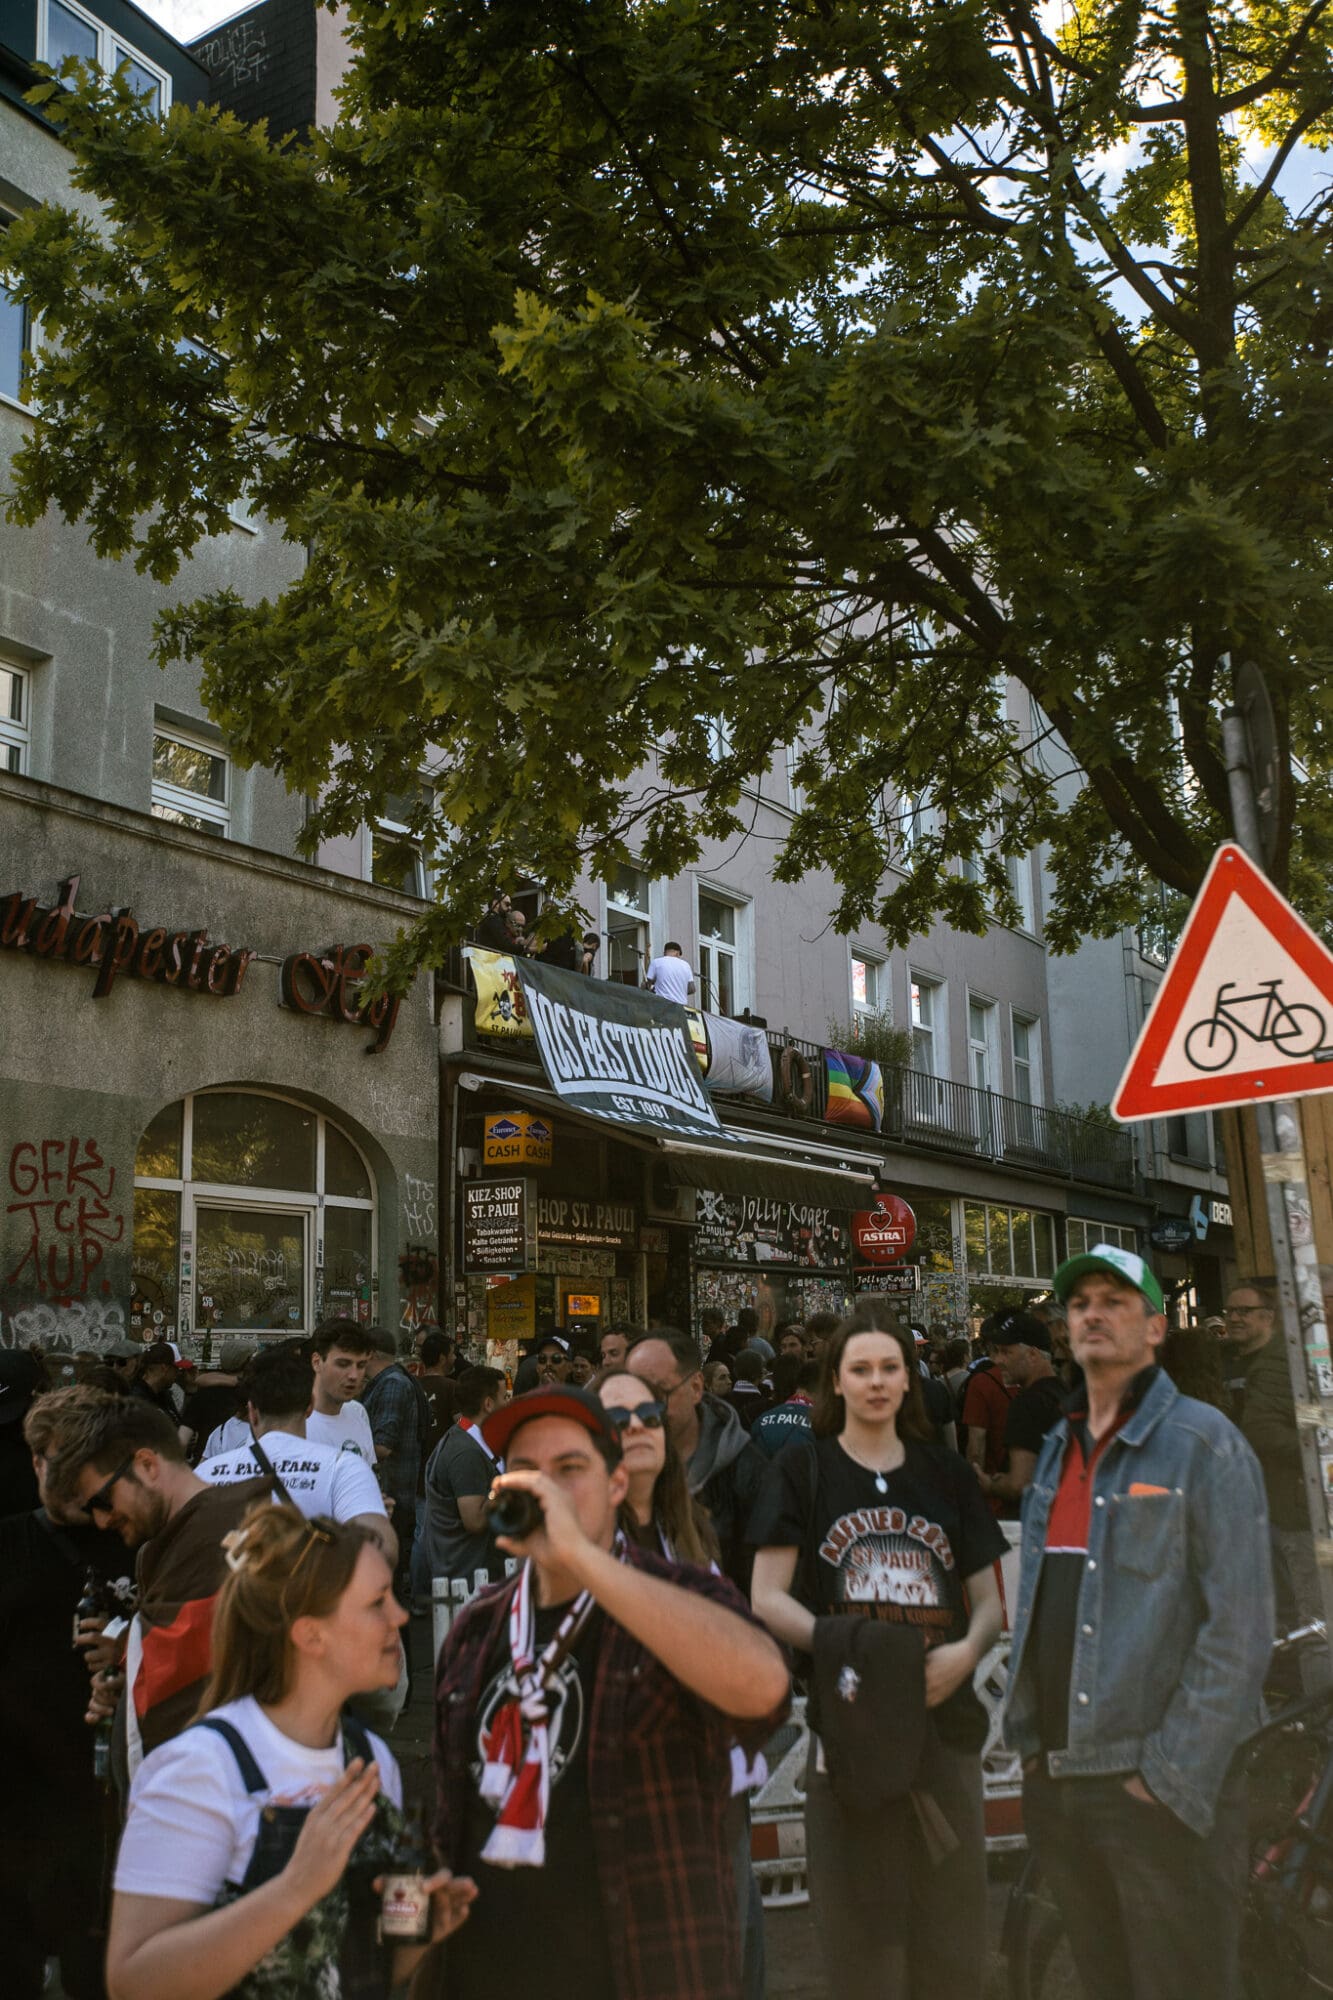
585,1713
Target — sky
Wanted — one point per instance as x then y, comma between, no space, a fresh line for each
187,18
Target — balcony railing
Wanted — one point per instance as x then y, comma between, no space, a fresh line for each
936,1115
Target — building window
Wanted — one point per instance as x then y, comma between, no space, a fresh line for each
190,783
14,344
396,860
1018,874
719,955
14,686
66,30
795,790
628,926
1009,1242
1027,1060
720,742
1081,1234
868,995
980,1044
278,1204
928,1041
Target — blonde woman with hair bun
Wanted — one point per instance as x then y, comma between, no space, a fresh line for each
253,1838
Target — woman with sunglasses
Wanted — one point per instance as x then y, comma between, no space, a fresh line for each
659,1513
873,1520
253,1838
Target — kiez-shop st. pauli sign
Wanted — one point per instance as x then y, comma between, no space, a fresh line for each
114,945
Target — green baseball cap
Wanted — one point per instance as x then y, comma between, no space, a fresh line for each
1120,1263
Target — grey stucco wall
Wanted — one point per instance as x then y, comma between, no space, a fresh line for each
86,1074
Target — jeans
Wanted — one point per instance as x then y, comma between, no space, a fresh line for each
1152,1910
940,1953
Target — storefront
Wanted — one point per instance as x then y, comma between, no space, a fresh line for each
785,1259
208,1129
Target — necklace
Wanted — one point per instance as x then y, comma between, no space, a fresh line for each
881,1483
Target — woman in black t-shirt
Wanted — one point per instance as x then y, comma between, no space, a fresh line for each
873,1520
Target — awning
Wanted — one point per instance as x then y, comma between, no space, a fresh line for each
765,1168
754,1164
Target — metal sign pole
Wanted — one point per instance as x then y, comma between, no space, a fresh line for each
1295,1260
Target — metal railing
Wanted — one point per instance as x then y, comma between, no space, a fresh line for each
936,1115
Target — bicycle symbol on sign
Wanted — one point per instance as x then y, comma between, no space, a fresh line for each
1291,1026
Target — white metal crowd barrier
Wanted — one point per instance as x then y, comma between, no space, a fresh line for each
777,1809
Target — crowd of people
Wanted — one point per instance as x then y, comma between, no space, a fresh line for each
205,1583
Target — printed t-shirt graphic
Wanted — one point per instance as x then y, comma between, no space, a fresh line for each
894,1566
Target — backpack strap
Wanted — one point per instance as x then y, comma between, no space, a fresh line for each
356,1743
251,1776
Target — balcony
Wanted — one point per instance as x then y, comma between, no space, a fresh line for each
921,1112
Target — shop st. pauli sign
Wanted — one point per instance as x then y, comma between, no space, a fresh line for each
619,1054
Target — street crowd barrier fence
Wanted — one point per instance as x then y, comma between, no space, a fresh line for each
777,1808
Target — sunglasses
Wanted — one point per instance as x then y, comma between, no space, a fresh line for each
100,1502
650,1415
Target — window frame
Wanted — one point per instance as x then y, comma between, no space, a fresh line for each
399,830
638,915
1091,1231
1031,1063
176,799
738,952
876,997
17,736
108,39
312,1204
988,1046
938,1028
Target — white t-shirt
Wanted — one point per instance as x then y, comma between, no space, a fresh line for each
348,1431
319,1479
671,978
227,1437
192,1824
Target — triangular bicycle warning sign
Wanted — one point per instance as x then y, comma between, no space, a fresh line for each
1245,1012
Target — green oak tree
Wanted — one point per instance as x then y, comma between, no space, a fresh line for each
662,391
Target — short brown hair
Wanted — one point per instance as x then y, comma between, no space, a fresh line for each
58,1412
281,1567
344,1333
101,1430
830,1413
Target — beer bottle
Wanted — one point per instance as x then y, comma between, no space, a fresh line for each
405,1900
102,1744
92,1601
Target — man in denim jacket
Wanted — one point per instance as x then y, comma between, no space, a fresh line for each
1143,1629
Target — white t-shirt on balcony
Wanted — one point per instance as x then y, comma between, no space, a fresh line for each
671,978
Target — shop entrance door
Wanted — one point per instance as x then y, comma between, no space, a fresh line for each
252,1267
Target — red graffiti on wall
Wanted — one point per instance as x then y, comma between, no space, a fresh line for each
65,1189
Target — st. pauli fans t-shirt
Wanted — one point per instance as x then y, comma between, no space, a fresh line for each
543,1925
900,1555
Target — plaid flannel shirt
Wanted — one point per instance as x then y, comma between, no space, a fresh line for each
659,1783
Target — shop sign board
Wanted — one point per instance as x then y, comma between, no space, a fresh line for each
114,944
516,1139
1173,1232
754,1229
617,1053
904,1282
600,1224
495,1225
885,1233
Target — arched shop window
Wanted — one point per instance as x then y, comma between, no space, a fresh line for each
252,1214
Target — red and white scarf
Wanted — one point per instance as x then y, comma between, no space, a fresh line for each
516,1774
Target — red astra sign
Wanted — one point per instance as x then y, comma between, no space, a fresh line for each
885,1233
1245,1010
